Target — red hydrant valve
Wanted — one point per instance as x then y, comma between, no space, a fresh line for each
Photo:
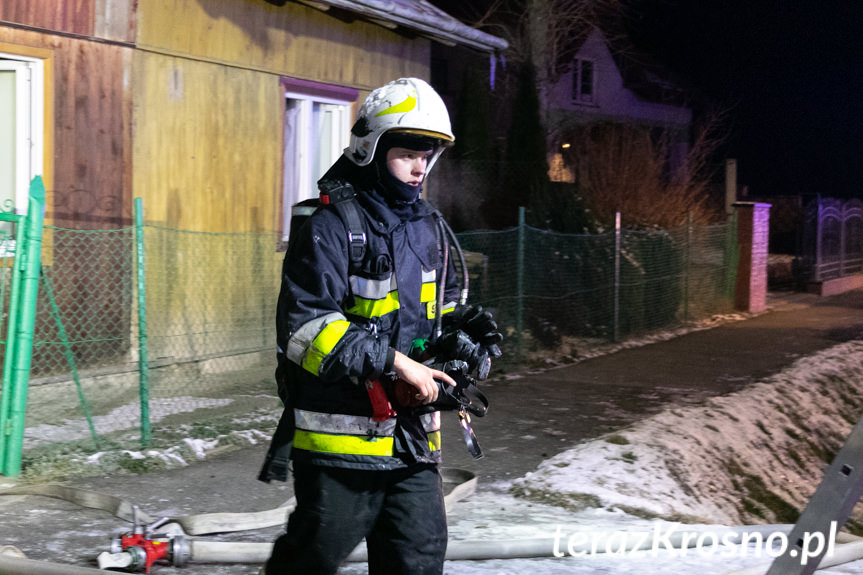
154,549
138,550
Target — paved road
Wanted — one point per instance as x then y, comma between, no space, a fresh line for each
531,418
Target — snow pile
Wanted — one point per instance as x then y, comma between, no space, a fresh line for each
753,456
126,416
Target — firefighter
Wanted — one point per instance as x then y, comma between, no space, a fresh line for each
364,465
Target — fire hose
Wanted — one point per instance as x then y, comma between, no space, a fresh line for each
146,545
168,539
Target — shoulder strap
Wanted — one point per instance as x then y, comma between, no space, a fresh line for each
350,214
343,198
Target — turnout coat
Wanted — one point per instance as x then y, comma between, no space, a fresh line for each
338,326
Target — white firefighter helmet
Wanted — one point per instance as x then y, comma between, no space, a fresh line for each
405,106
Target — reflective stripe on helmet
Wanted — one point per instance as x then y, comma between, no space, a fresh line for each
409,104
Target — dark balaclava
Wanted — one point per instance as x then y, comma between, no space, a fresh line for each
396,192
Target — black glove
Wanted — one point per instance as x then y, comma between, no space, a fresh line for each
465,394
457,345
476,323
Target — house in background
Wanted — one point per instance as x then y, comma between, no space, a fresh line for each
602,85
603,82
205,109
218,114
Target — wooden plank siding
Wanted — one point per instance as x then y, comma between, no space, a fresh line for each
179,102
208,144
291,40
74,17
87,169
106,19
87,141
208,106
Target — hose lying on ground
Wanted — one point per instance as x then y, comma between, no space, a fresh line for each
10,565
462,484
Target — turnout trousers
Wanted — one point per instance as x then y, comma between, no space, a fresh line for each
400,513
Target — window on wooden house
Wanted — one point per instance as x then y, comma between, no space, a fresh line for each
583,78
21,133
317,125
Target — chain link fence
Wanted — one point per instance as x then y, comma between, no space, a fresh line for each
208,326
545,286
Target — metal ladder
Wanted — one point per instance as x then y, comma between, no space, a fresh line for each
827,511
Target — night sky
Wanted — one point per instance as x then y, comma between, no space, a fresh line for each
789,72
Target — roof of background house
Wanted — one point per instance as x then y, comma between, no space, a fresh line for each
648,79
418,16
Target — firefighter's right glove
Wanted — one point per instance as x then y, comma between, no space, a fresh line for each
477,323
465,394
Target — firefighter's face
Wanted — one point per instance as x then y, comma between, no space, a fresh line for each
408,165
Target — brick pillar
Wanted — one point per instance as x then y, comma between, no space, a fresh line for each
753,227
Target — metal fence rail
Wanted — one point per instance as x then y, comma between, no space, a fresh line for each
210,306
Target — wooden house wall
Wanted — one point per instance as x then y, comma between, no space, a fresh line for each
106,19
208,107
207,144
87,139
208,134
292,40
179,102
87,173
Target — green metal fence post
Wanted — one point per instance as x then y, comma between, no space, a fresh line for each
519,313
28,261
143,366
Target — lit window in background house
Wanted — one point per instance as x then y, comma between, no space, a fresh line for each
582,81
317,128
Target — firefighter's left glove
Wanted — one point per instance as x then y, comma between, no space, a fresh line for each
478,324
457,345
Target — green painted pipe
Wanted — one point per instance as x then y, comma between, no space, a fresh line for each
31,256
8,388
143,367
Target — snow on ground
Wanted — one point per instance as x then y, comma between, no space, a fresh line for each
724,460
696,462
692,463
124,417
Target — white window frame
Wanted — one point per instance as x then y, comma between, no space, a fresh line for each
578,94
301,183
29,123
